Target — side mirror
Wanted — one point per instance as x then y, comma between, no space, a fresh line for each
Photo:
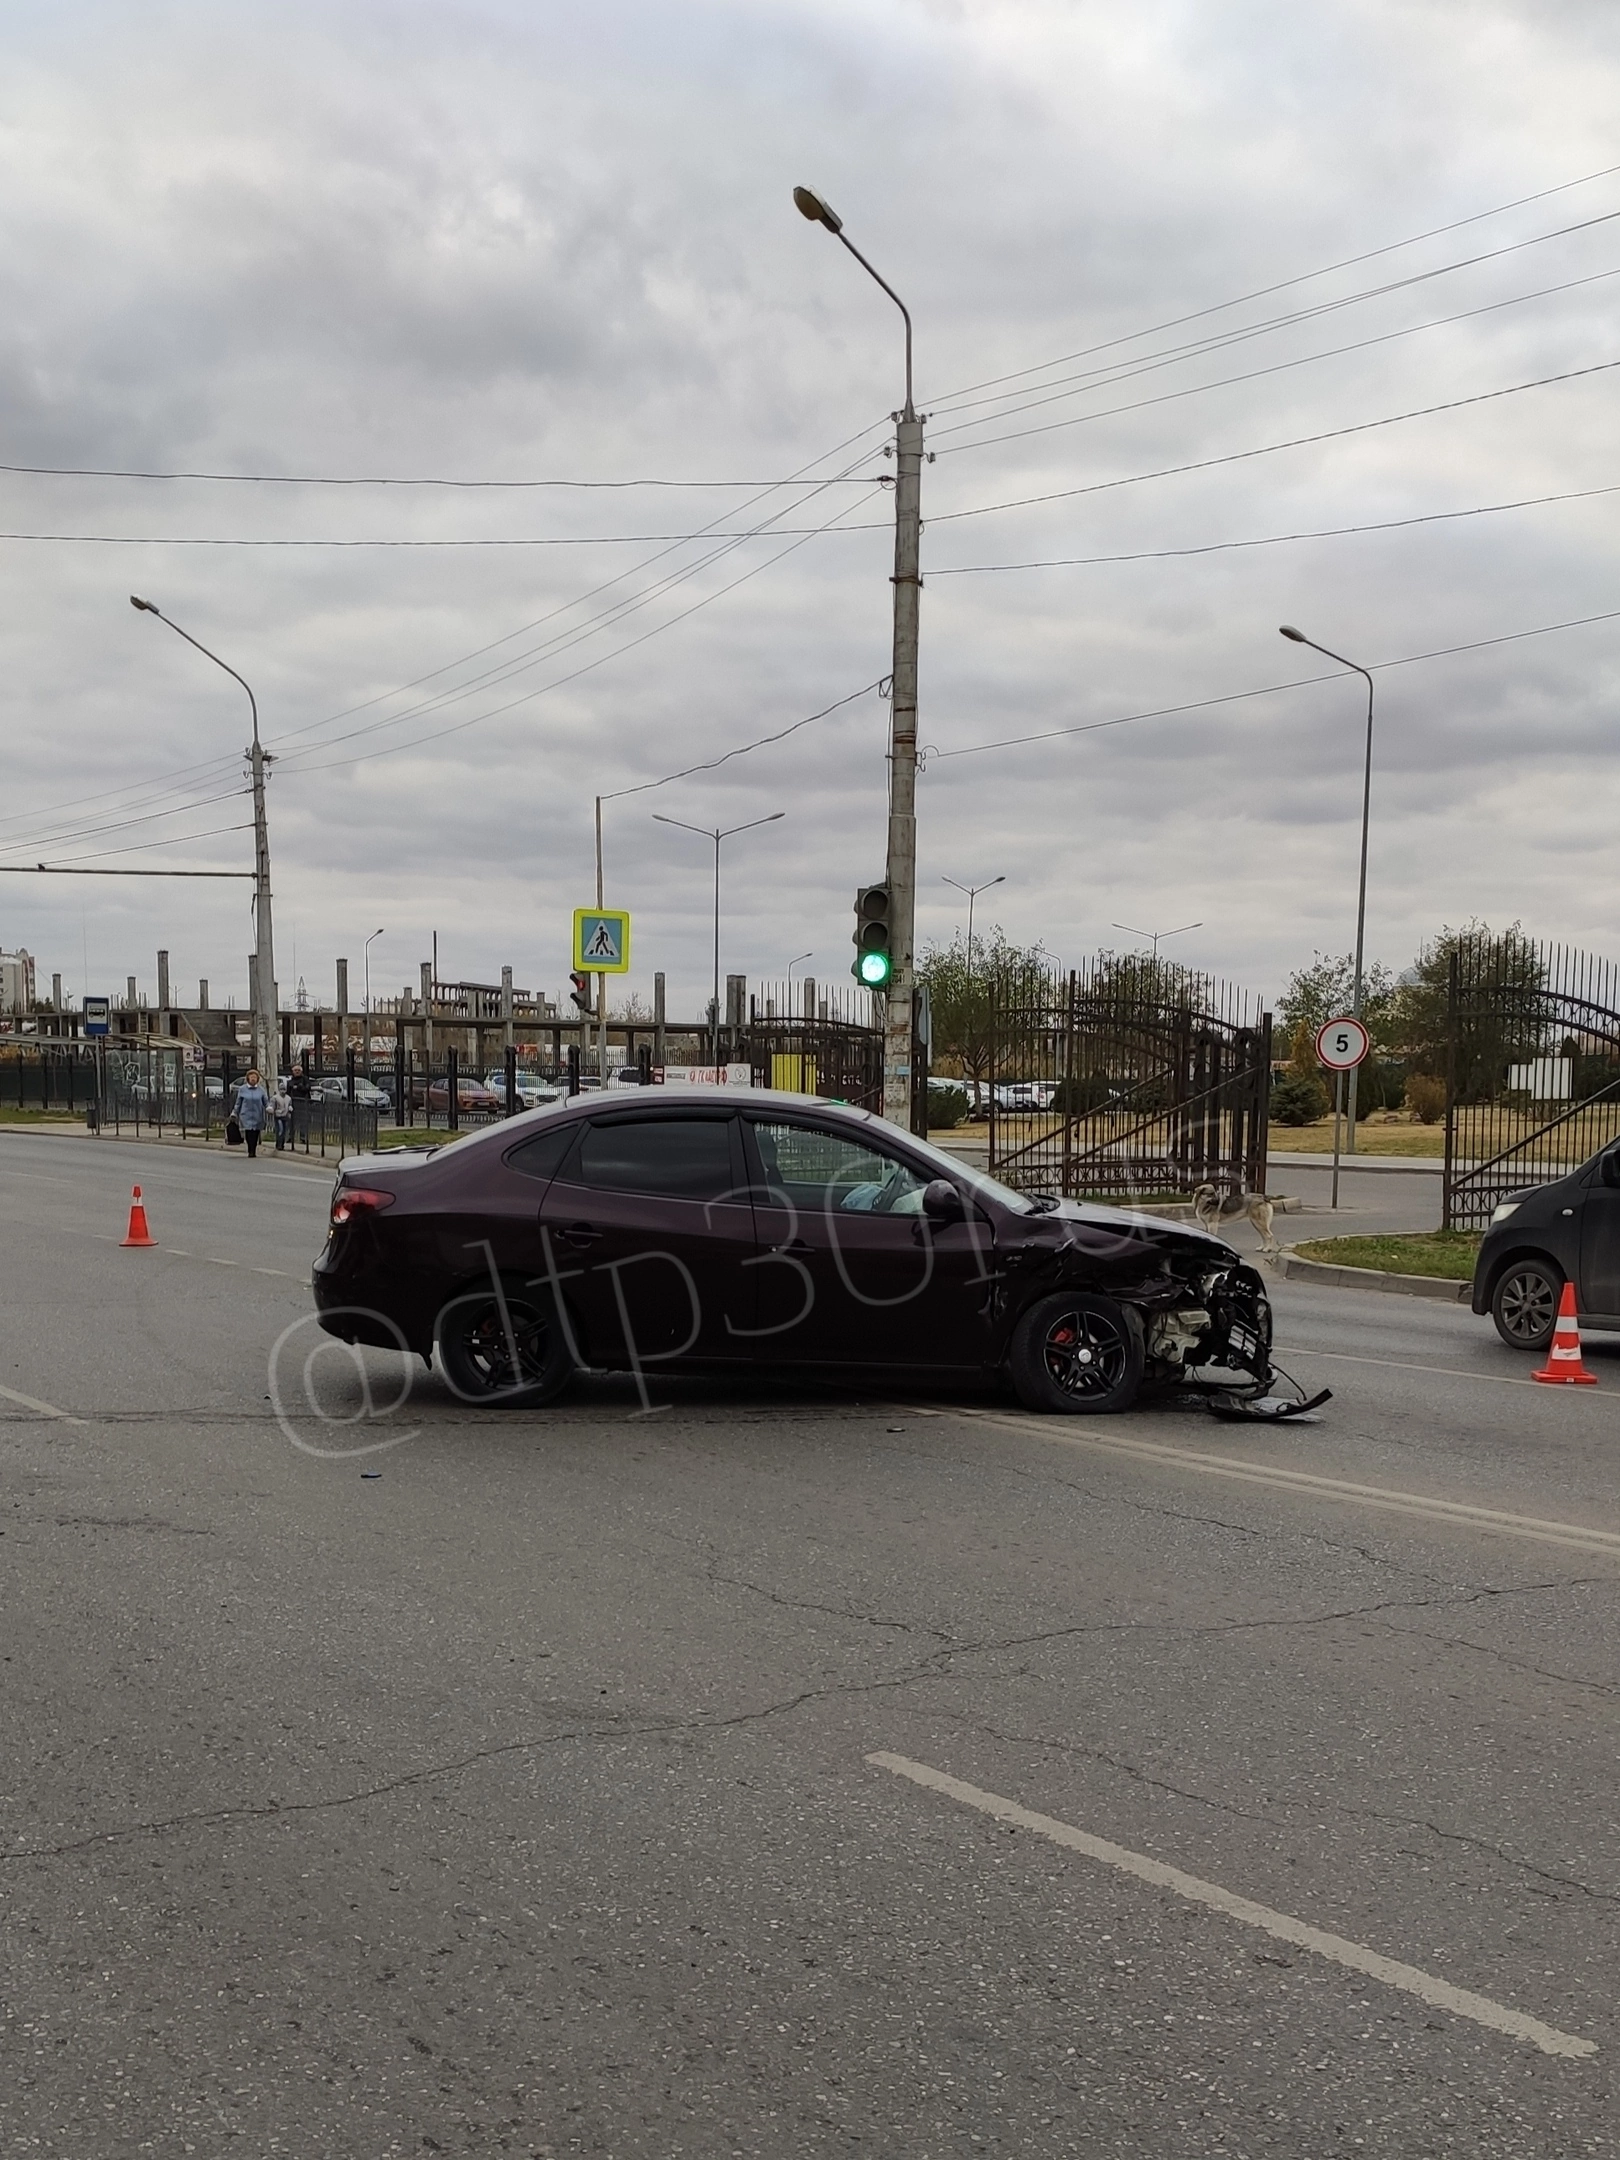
943,1203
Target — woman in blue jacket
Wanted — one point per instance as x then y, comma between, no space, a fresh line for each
250,1109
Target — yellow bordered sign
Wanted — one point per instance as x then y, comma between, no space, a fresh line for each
602,940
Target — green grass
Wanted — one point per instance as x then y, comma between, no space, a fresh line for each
1446,1253
14,1116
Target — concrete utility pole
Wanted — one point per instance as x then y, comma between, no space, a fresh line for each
902,857
266,1019
1298,637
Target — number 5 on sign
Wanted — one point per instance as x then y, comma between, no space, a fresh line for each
602,941
1342,1044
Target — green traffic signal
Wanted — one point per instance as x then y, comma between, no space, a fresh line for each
874,969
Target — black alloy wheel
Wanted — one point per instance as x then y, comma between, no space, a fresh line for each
479,1335
1077,1354
1524,1304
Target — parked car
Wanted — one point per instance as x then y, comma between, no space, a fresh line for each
532,1092
1568,1231
763,1232
472,1097
334,1087
624,1076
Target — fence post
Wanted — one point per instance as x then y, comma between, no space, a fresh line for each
452,1087
511,1070
990,1111
1453,1003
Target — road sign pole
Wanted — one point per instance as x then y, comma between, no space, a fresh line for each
1338,1106
902,857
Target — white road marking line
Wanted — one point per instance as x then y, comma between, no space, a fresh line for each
1445,1372
1439,1994
41,1409
1494,1521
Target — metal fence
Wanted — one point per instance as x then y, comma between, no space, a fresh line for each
1527,1038
1128,1079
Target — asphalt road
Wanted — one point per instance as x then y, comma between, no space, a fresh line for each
587,1782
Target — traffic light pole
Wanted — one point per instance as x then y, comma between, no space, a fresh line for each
902,859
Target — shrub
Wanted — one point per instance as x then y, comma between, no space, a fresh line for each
947,1106
1426,1098
1296,1100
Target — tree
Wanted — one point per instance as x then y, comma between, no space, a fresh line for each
1326,991
1503,1010
959,1000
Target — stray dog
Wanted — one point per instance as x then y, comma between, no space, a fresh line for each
1213,1210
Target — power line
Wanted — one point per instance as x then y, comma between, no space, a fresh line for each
1326,532
1302,682
549,541
1264,292
742,749
112,472
1275,367
1295,442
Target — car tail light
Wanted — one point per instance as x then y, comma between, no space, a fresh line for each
352,1200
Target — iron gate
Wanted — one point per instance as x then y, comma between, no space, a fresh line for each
1129,1081
1527,1036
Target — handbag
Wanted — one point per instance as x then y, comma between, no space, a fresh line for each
233,1130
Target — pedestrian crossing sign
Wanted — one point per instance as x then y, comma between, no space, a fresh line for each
602,941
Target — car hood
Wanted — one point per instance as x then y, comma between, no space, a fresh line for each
1155,1229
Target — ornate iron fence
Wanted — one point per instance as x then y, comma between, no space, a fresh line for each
1125,1080
1527,1038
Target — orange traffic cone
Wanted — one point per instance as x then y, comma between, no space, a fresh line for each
1563,1367
139,1234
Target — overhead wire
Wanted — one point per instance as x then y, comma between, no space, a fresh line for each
1264,292
1294,442
1302,682
1324,532
1275,367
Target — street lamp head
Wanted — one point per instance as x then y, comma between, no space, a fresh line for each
145,606
1287,630
818,212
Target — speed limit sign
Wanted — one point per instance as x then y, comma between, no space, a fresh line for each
1341,1044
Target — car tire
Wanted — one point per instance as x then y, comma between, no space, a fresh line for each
1077,1354
1524,1303
475,1336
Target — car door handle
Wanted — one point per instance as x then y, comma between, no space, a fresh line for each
797,1248
1569,1211
579,1234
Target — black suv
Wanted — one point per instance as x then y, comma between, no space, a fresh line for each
1568,1231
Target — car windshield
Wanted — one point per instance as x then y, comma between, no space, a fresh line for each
978,1181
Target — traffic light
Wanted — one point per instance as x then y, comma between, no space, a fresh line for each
874,958
581,992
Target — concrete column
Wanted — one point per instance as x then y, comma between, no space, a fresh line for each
809,997
342,1003
427,1010
130,985
736,1001
202,994
506,1006
56,993
163,980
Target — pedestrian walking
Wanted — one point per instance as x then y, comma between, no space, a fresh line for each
250,1109
281,1111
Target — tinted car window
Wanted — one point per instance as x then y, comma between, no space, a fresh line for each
677,1158
817,1168
542,1156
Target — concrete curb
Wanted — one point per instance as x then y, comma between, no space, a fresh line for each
1324,1273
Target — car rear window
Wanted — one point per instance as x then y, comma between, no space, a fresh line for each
542,1157
676,1158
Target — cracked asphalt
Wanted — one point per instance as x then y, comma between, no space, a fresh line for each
504,1789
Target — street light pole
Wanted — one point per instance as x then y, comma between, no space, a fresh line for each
265,1047
367,957
1298,637
715,834
907,581
973,892
1155,935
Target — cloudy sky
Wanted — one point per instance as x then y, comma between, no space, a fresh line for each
555,243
